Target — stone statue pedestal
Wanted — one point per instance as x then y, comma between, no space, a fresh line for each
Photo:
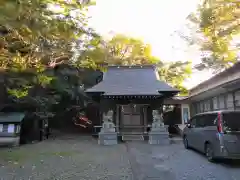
159,137
107,138
107,135
158,133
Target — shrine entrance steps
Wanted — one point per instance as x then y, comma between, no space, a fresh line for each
132,137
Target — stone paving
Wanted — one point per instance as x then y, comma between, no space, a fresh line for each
81,158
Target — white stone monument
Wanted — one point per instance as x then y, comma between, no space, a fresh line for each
158,133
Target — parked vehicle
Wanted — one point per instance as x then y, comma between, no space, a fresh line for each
217,134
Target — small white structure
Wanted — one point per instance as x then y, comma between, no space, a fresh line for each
10,126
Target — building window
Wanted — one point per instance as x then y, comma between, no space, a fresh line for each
197,107
229,101
201,107
237,98
193,109
207,105
3,127
221,102
215,103
9,128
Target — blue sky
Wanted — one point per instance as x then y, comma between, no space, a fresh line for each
153,21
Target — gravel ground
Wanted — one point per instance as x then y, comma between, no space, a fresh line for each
81,158
173,162
67,158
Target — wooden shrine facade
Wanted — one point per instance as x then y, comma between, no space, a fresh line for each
132,92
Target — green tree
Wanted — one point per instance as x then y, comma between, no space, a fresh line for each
217,23
124,50
175,74
37,37
43,30
120,50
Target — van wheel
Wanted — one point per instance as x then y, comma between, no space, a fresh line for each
209,152
185,142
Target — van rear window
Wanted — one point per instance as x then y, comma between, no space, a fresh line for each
231,121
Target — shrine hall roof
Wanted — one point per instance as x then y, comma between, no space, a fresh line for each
132,80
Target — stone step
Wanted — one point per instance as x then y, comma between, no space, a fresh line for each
132,133
132,137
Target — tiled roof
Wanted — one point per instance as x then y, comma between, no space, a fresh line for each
231,70
131,80
11,117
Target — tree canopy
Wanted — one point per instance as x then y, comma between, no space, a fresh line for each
36,38
44,30
217,24
124,50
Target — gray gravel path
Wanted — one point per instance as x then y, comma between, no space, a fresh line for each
81,158
67,158
173,162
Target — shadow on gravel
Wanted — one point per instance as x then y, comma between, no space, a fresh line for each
230,163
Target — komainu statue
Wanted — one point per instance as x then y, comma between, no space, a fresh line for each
108,125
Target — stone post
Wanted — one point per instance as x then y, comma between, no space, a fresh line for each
158,133
108,134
